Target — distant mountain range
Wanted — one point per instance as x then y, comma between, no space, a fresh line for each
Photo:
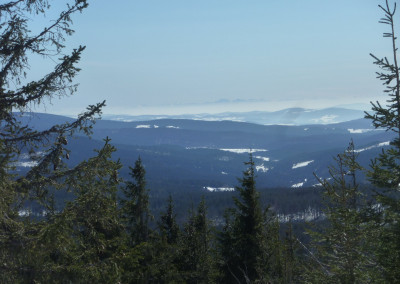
290,116
188,154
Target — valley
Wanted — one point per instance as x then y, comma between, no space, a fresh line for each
191,158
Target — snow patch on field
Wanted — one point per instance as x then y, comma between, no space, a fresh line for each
359,131
171,126
143,126
29,164
302,164
387,143
266,159
28,160
218,189
300,184
262,168
308,214
242,151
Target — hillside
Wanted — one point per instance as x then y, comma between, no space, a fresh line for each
198,155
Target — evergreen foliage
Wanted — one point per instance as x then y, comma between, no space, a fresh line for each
47,150
385,168
292,266
167,256
342,254
135,215
80,244
195,259
168,227
249,242
135,206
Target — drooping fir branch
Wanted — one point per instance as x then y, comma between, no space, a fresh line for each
56,82
40,177
9,5
33,6
15,45
16,42
84,123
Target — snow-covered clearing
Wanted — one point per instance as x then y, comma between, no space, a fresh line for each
242,151
216,189
266,159
143,126
359,131
302,164
300,184
29,164
387,143
262,168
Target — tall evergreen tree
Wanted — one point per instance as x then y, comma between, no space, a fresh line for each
168,227
248,238
82,242
195,259
165,263
135,205
342,254
292,266
386,167
46,149
136,216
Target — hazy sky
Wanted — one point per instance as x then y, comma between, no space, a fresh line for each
161,56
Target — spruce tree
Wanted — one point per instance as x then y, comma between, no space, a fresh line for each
47,149
82,243
135,214
135,205
195,259
247,244
292,267
341,250
168,227
166,261
385,168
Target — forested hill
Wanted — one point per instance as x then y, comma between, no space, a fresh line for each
196,155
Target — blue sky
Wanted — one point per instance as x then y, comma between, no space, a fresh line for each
178,56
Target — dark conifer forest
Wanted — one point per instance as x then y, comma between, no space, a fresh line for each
107,230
